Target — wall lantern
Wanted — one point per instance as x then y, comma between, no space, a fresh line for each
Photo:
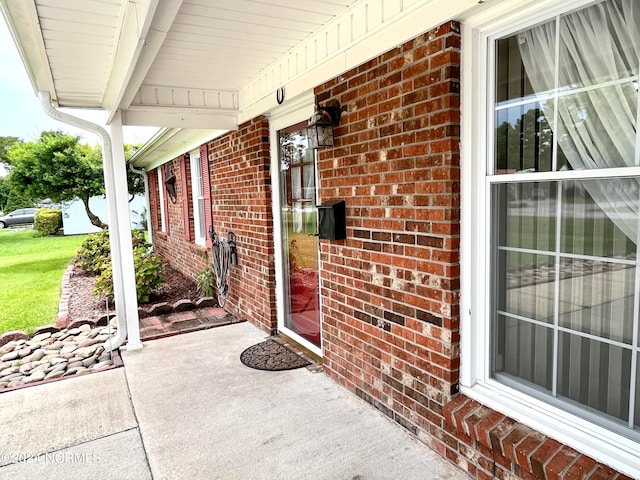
321,123
170,183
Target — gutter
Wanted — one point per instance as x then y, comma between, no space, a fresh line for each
143,173
107,156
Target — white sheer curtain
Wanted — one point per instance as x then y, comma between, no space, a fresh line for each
597,95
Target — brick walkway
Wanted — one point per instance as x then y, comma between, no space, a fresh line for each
159,326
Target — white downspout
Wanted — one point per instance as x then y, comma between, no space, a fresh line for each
145,176
116,240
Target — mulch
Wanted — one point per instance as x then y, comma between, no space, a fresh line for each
84,305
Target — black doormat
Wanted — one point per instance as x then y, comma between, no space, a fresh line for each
271,355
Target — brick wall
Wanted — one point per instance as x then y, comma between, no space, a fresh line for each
241,203
391,290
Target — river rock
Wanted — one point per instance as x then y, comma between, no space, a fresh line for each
37,355
39,368
24,369
86,351
8,347
12,377
61,367
9,356
69,348
35,377
8,371
73,371
106,363
55,374
87,343
41,337
87,362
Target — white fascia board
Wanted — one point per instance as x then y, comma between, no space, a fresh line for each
143,32
181,118
171,144
259,95
156,141
24,26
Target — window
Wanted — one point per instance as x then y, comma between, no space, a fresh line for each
161,197
556,287
197,198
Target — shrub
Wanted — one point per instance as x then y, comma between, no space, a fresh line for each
94,256
47,221
149,270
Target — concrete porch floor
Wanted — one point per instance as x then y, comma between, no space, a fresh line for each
184,407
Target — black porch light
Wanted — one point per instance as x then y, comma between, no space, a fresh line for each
320,127
170,184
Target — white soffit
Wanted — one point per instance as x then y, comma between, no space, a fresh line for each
205,64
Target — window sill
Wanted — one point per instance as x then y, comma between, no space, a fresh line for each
547,442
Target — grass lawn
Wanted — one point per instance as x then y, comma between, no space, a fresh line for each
31,270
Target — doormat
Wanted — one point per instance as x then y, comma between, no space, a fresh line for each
271,355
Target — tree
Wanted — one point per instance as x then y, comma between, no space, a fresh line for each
59,167
17,199
5,145
5,189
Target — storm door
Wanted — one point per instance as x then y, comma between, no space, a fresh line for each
299,230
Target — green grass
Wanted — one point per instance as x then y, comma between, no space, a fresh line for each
31,270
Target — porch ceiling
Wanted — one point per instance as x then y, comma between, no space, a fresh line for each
163,63
203,63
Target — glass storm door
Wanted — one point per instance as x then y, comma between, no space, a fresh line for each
299,228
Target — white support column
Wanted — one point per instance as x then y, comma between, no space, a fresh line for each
120,235
124,287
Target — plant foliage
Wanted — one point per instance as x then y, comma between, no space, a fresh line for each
48,221
206,282
94,256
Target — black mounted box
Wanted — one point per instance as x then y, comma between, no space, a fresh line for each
332,220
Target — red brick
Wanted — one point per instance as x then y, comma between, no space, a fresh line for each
484,426
526,447
542,454
512,439
556,466
602,472
580,468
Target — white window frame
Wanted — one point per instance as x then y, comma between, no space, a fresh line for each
478,65
163,213
196,187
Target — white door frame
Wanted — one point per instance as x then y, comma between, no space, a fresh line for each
289,113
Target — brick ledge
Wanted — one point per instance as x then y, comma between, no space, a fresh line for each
537,454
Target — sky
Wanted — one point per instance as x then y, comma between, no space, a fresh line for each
20,112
